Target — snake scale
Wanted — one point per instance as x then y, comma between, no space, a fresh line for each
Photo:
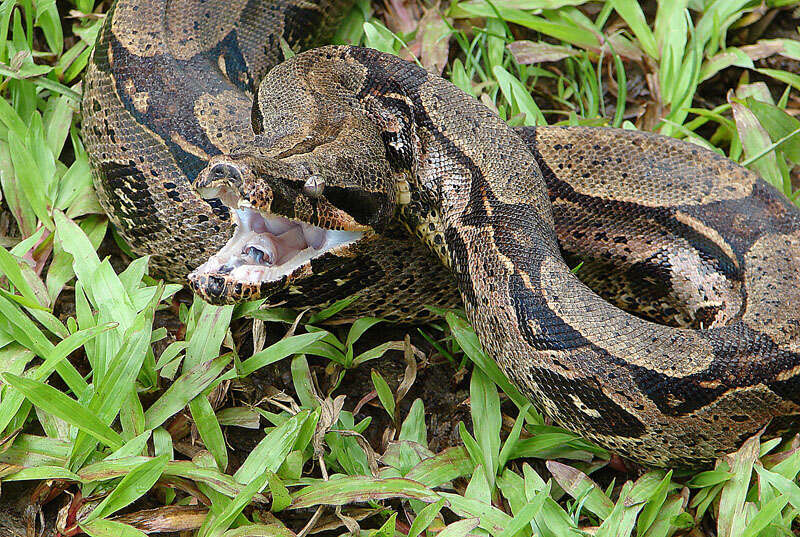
682,335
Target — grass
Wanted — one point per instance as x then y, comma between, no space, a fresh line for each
123,402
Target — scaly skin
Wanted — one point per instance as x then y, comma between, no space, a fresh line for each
660,225
661,395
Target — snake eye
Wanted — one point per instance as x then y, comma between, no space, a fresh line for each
314,186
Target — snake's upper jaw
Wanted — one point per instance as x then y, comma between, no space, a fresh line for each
264,254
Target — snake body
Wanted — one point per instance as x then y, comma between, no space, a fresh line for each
353,140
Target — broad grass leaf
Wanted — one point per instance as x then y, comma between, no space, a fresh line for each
653,505
332,310
582,488
188,386
260,530
671,32
479,488
244,417
450,464
387,529
209,429
461,528
48,19
134,446
425,518
75,242
476,454
486,420
207,334
375,352
58,115
779,125
133,486
351,29
709,478
567,31
491,519
379,37
162,442
302,382
278,351
30,177
216,524
669,518
468,341
352,489
788,488
59,404
534,53
13,195
768,514
522,520
730,522
621,521
280,494
42,472
756,143
10,267
519,97
359,327
9,116
512,488
271,451
459,77
413,427
110,528
384,392
632,14
30,450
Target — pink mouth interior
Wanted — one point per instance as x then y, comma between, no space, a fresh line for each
267,247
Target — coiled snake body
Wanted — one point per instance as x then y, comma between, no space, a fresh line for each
353,147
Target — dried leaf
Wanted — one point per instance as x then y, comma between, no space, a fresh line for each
528,52
433,35
329,415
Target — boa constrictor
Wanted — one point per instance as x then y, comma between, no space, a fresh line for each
348,149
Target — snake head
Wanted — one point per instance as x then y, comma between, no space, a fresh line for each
286,220
321,175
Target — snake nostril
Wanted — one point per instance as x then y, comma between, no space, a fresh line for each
215,287
225,171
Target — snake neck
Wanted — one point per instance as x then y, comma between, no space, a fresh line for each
470,182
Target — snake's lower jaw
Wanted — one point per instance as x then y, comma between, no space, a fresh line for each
265,253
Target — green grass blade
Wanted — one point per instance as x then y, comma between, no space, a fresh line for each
57,403
132,487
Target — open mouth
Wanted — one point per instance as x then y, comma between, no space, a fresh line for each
266,248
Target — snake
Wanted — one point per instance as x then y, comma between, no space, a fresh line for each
641,291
